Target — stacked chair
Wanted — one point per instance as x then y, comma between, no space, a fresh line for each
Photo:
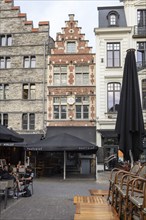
120,190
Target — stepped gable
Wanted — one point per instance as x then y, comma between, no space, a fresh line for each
9,10
71,33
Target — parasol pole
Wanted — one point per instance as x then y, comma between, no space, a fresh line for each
131,158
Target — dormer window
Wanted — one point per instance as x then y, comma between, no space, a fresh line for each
113,17
71,47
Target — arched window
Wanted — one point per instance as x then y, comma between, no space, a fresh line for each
113,17
113,96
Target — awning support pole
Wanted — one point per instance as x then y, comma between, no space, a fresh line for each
64,170
96,175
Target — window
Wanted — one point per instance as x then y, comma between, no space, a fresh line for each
5,62
29,91
113,54
4,119
82,75
4,91
141,54
71,47
144,93
141,17
60,108
113,90
82,107
6,40
60,75
29,62
28,121
113,17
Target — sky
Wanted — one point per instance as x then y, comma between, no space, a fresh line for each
57,11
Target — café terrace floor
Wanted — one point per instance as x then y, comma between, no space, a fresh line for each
52,198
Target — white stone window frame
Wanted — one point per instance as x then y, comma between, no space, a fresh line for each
5,40
83,103
60,103
71,46
80,73
27,121
60,76
4,119
4,91
29,61
5,62
114,91
113,50
30,90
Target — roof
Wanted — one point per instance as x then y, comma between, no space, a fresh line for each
103,16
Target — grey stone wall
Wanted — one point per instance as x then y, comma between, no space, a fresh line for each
26,41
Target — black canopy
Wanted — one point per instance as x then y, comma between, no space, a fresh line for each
7,135
130,125
62,142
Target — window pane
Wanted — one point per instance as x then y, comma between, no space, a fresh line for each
32,91
1,92
63,79
85,111
63,100
109,59
5,120
6,91
78,79
31,121
78,111
78,99
56,112
25,91
8,62
85,78
9,40
26,62
2,63
24,121
71,47
63,112
56,100
56,79
33,62
116,58
113,20
3,40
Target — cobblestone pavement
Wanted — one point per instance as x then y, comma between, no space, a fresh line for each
52,199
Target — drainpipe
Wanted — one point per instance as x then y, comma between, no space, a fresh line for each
44,72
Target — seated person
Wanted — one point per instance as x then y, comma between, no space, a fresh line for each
28,176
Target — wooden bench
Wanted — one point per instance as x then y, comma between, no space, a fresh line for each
89,199
94,207
98,192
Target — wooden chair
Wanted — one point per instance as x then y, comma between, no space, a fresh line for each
4,191
137,201
122,190
115,180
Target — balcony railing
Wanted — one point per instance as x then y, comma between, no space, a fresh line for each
140,30
141,65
